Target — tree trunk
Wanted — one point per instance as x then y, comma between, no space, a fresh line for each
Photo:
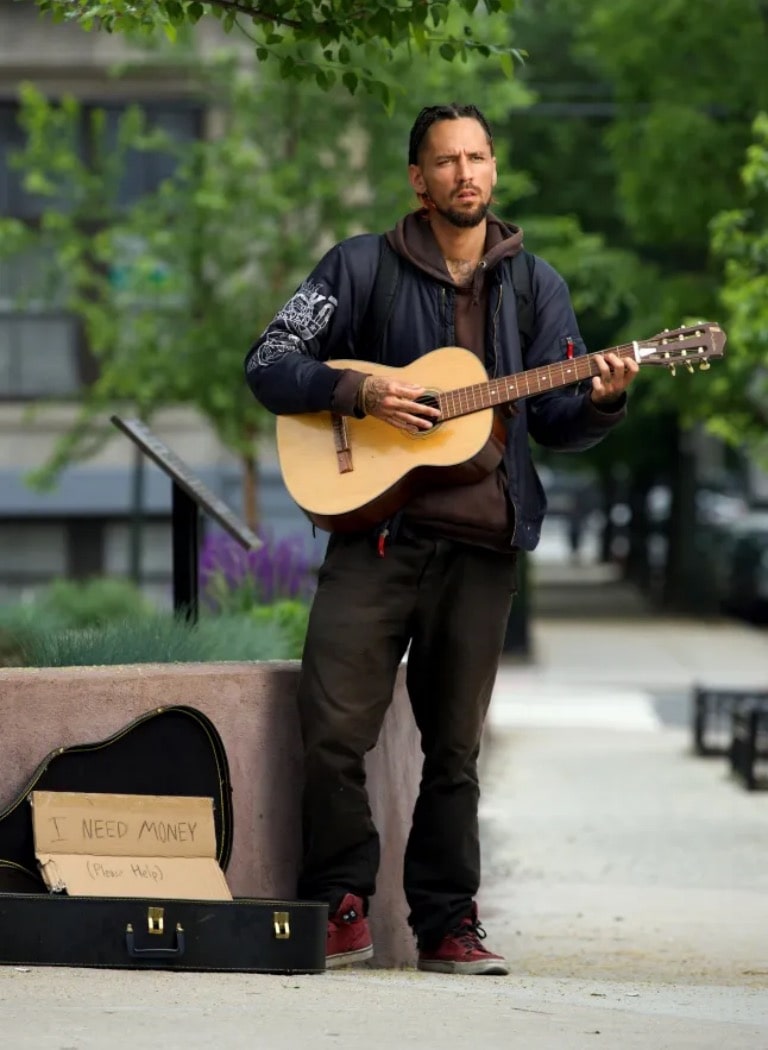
684,585
609,494
251,508
638,565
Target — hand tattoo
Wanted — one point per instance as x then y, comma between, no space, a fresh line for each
374,392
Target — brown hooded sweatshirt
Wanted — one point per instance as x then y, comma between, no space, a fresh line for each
478,512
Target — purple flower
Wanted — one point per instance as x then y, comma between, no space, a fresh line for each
232,578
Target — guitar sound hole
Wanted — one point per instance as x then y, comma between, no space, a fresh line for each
430,399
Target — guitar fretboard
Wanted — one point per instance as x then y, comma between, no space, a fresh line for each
468,399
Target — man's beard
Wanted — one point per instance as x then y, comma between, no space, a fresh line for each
465,220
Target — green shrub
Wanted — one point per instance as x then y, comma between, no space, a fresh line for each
240,638
18,623
88,603
162,638
291,616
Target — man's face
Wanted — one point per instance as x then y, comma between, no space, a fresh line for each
456,170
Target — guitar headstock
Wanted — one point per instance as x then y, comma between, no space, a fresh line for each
691,346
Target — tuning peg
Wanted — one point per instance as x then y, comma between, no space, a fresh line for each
704,365
672,370
689,366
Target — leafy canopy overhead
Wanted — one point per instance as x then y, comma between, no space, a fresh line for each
357,38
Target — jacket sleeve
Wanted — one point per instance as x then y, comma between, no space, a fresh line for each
285,367
564,420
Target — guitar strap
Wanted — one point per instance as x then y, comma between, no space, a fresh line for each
380,302
522,282
382,298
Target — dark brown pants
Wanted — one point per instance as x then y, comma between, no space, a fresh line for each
451,603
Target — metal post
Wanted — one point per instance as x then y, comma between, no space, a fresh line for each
188,497
135,548
185,539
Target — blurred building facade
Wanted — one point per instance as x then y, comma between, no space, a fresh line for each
86,525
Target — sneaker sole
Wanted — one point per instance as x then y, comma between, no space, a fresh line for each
485,969
345,958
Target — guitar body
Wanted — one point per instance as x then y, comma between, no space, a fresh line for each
388,464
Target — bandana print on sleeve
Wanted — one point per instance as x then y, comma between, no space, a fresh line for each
302,318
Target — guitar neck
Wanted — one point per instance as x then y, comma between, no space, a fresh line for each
465,400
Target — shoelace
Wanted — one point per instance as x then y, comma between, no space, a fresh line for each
469,935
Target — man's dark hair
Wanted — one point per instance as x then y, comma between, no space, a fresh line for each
432,114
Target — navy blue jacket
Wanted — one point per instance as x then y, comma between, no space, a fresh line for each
285,372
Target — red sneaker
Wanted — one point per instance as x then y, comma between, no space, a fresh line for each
349,937
460,951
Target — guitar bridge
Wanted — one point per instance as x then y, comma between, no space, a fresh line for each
341,441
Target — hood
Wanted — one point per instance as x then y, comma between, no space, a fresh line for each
414,240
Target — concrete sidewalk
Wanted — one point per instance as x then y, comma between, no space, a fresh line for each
614,855
626,881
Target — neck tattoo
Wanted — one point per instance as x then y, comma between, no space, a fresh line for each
461,270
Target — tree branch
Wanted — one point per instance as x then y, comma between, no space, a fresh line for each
244,8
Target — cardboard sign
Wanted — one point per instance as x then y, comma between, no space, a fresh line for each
100,845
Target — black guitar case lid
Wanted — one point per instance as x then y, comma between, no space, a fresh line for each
172,750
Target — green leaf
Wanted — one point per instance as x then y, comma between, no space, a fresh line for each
507,65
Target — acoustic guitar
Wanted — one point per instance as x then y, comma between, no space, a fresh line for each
348,474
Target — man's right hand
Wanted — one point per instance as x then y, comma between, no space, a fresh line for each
396,403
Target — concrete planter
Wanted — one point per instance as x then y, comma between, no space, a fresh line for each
252,706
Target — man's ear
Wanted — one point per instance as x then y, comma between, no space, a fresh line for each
416,179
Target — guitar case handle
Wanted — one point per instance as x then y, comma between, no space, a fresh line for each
155,953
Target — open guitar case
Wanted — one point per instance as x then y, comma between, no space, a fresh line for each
174,750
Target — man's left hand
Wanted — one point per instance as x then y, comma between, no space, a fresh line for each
616,373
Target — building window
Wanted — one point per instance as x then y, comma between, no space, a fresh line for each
145,170
41,346
38,338
14,199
